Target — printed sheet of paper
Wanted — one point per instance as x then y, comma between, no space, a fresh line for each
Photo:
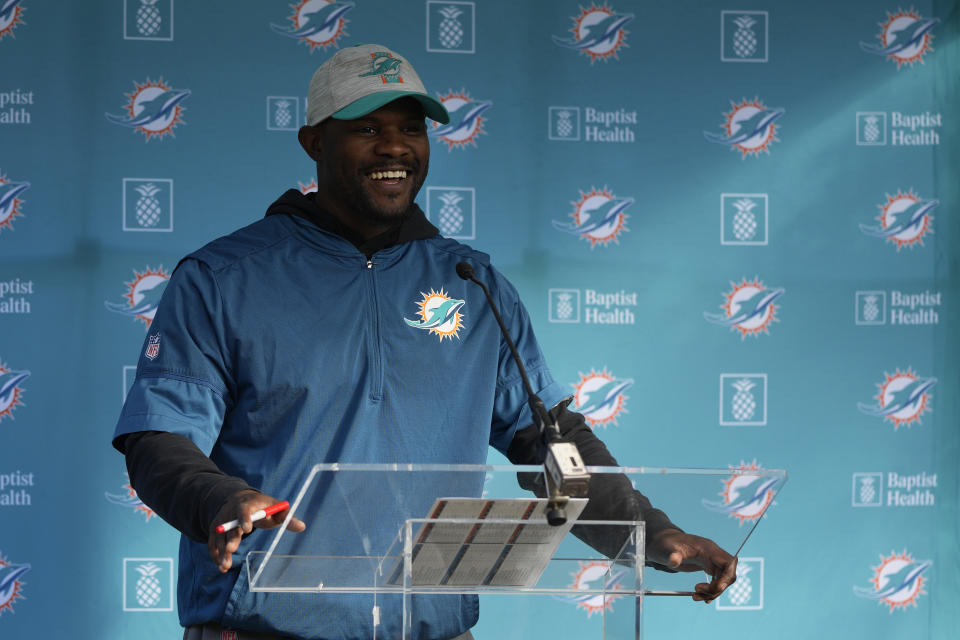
505,543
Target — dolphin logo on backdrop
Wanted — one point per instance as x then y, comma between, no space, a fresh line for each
130,500
904,220
10,16
748,128
599,396
154,109
10,390
904,37
903,398
316,23
749,308
746,496
143,295
11,587
598,32
466,121
597,576
598,217
439,315
9,202
897,581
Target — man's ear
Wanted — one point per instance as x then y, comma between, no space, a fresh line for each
311,141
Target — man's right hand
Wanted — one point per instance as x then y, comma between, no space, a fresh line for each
241,506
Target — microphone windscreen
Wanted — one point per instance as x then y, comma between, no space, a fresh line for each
464,270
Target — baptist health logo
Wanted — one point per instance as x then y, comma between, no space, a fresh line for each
147,584
454,211
598,32
903,397
10,389
154,109
748,309
128,499
600,125
749,127
316,23
10,202
143,295
744,36
746,594
466,121
451,27
283,113
11,585
743,399
904,37
148,19
902,490
747,494
147,204
744,219
599,397
598,307
905,308
11,14
439,315
904,219
897,581
904,130
599,217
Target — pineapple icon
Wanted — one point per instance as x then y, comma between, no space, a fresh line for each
744,404
744,38
147,210
450,29
745,220
871,311
741,591
871,129
564,308
148,18
868,492
281,114
451,215
564,124
148,589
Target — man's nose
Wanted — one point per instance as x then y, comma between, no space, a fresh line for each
392,142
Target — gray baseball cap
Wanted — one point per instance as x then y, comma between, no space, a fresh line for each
361,79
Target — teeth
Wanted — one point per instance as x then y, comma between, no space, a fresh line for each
387,175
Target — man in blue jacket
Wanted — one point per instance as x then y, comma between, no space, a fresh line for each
335,329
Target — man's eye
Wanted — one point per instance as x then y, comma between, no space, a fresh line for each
366,130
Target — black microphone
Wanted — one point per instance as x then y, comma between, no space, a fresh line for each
566,474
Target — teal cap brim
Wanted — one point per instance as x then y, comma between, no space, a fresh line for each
362,106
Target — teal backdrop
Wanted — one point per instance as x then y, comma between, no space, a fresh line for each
745,213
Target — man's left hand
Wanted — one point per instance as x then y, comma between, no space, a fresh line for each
685,552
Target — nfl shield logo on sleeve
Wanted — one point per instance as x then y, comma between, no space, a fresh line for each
153,347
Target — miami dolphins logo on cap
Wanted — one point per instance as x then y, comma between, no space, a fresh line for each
599,397
904,37
154,109
598,217
904,219
439,315
897,581
143,295
10,584
9,202
749,128
10,390
10,16
903,398
746,496
748,309
383,64
597,32
316,23
465,124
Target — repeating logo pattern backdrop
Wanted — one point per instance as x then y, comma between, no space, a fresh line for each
808,322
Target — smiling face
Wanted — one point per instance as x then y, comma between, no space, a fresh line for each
370,169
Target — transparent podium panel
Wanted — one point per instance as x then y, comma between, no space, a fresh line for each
418,539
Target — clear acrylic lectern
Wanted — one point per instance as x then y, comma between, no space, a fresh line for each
401,535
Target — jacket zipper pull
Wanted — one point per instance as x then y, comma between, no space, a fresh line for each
369,264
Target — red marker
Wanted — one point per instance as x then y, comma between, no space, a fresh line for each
259,515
